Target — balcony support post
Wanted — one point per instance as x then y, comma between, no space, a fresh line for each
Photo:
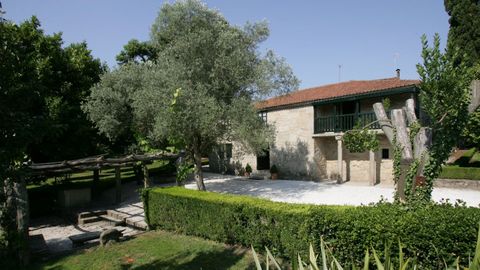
373,168
339,158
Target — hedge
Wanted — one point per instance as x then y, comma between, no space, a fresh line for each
430,233
454,172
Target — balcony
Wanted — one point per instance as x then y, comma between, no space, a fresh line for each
344,122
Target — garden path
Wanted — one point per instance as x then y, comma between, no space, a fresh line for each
326,192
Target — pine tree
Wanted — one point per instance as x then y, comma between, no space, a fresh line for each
464,33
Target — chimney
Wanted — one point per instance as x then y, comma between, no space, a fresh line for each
398,73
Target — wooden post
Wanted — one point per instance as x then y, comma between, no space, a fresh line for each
22,219
96,180
146,177
118,186
373,168
339,158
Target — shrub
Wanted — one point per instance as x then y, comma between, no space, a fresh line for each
248,168
429,232
273,169
454,172
475,160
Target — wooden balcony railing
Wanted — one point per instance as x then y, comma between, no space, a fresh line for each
344,122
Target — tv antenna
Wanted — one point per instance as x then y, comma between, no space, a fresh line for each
339,73
396,57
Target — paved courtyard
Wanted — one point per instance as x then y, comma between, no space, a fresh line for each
328,193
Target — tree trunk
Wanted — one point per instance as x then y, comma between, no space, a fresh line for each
21,196
197,156
118,186
146,177
96,180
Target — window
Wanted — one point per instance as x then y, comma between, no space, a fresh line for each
263,116
225,151
228,150
385,153
263,161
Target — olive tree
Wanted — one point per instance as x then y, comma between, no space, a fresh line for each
200,89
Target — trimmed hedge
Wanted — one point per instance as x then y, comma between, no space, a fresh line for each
430,233
454,172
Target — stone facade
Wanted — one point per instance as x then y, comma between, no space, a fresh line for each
300,154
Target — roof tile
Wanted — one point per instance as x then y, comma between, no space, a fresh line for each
334,91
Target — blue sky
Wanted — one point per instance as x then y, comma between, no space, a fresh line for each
369,38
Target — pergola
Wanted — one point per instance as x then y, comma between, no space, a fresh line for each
96,163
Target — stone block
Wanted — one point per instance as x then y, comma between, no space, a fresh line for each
74,197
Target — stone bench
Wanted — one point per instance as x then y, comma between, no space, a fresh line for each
80,239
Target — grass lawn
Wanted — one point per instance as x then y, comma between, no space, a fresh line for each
157,250
457,172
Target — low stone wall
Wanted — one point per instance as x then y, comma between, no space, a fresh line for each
74,197
457,183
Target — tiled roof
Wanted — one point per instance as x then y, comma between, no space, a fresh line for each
336,90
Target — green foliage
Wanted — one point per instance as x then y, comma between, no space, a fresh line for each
410,180
42,85
274,169
137,51
248,168
414,129
475,160
360,139
329,262
183,171
471,133
444,95
431,232
464,30
199,90
387,104
454,172
154,250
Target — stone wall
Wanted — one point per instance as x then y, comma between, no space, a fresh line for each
356,166
299,155
293,150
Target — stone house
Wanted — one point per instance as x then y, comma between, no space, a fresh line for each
309,127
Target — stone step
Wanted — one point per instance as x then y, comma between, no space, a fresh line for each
86,220
137,223
91,213
38,246
116,214
112,220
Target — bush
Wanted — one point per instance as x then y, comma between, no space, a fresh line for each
274,169
454,172
248,168
429,232
475,160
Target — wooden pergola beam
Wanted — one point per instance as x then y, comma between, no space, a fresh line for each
97,162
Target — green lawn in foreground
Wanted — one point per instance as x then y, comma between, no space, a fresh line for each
157,250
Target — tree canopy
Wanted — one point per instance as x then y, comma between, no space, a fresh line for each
137,51
200,89
464,47
42,85
464,32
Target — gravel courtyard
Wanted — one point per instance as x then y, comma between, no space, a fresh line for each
328,193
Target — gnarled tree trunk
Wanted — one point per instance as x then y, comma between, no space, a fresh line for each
398,132
197,157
